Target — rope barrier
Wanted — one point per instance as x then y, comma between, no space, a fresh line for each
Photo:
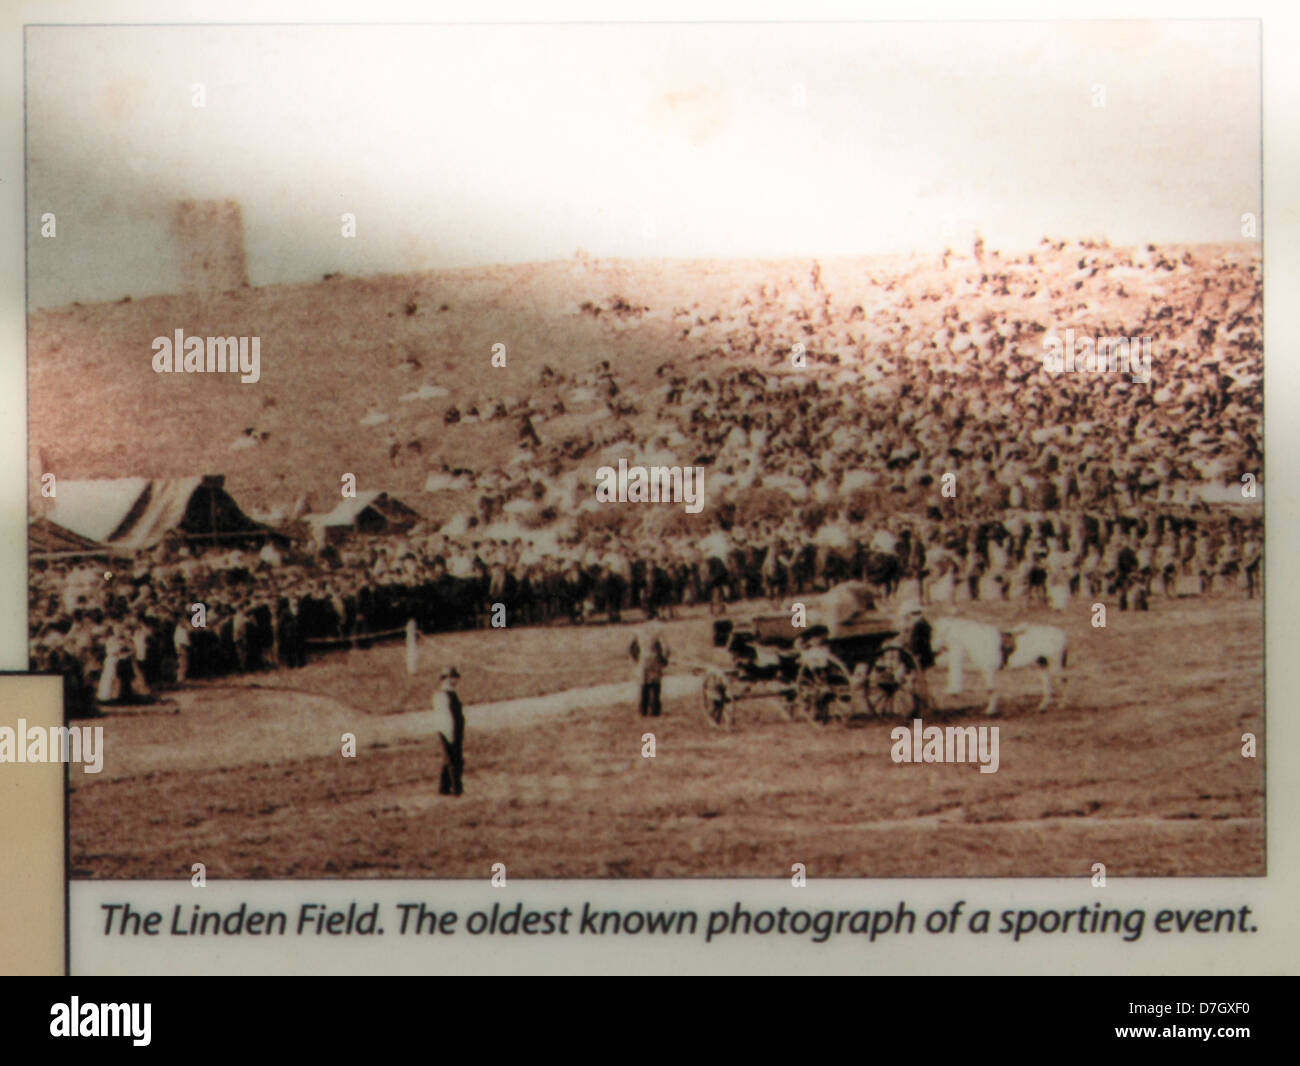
378,635
323,642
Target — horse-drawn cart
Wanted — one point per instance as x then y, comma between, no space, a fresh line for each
860,673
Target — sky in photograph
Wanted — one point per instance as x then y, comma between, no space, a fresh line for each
458,146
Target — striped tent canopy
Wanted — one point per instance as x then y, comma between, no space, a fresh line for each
49,540
131,514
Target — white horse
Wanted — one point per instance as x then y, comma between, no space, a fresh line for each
991,649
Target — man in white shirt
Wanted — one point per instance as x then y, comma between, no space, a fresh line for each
181,642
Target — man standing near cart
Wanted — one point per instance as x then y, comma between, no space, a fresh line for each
915,633
649,651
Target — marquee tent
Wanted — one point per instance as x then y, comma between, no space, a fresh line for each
135,513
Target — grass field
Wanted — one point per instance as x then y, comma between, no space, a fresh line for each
1139,768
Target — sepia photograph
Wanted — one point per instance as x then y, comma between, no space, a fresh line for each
649,450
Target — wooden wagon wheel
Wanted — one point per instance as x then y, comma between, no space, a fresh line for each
890,683
820,686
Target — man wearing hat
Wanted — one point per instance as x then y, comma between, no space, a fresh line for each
450,723
649,650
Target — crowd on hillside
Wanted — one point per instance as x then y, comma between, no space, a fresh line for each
917,442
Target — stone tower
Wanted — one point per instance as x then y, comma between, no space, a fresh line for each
209,236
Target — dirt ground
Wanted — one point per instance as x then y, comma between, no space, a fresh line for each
1139,768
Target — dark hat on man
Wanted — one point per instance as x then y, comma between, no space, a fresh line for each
449,672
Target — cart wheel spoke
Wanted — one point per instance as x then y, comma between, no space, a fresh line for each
822,690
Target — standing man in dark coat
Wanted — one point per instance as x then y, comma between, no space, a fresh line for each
915,633
649,650
450,723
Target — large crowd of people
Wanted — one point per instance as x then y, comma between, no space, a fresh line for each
900,446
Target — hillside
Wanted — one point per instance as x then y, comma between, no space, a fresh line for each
338,350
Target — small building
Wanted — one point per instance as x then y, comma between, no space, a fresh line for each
368,513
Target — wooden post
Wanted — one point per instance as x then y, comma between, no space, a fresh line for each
411,649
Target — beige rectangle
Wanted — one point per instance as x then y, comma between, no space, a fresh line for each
32,840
